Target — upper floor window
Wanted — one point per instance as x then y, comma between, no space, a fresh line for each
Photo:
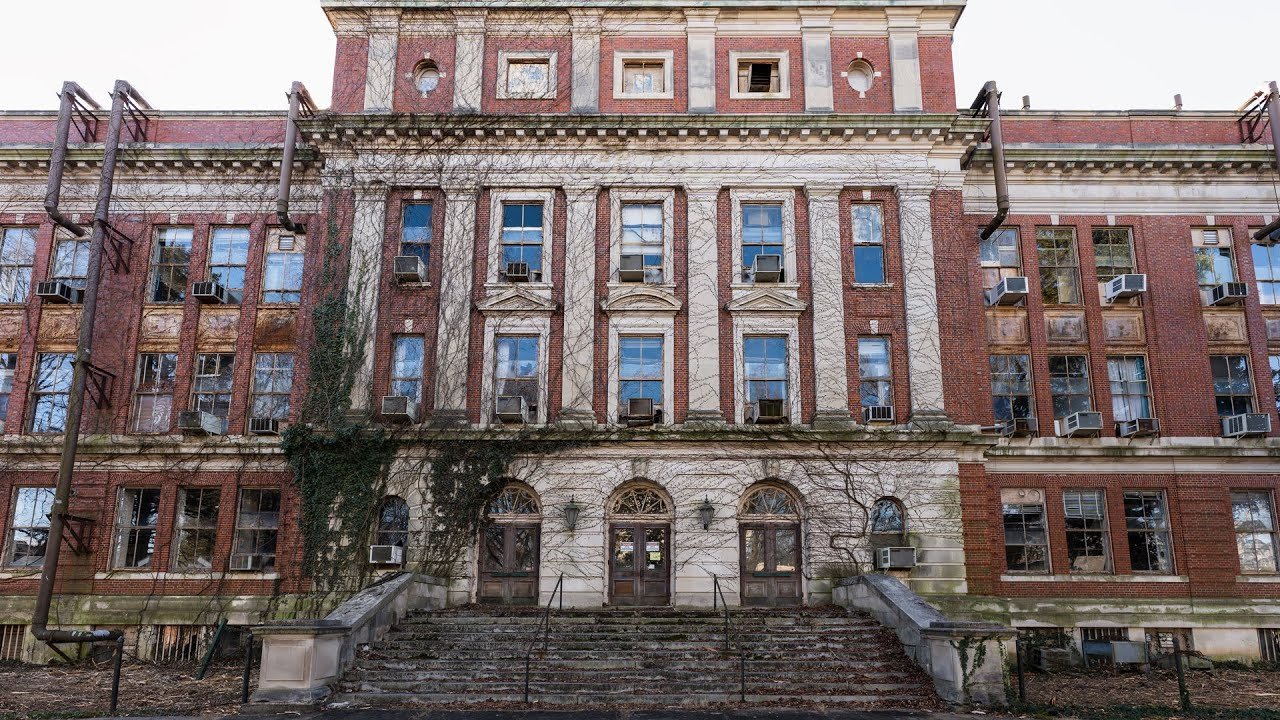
526,75
1266,266
762,236
1274,362
1011,397
999,256
8,361
393,522
1214,261
137,515
415,232
70,260
17,254
282,271
1069,384
765,372
868,244
50,393
272,384
875,372
196,528
228,255
1146,521
170,262
1059,265
644,77
888,517
759,74
211,391
642,243
1088,537
153,392
406,367
516,373
29,529
1112,252
641,371
1255,521
522,231
426,77
1130,387
1232,385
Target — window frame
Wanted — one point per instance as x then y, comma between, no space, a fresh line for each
1055,268
1267,272
883,382
80,254
618,198
123,534
10,296
8,372
381,532
229,391
37,394
782,58
284,294
507,57
622,57
1117,398
998,266
1023,499
201,528
1104,531
641,326
1070,379
238,528
1270,499
785,198
11,540
235,295
660,404
748,380
153,391
156,265
498,200
1199,249
423,245
1248,398
1165,530
867,244
276,396
1105,277
394,367
540,351
1030,393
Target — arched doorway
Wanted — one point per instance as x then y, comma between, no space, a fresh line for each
640,546
509,548
769,545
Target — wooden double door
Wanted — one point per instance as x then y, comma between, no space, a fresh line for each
509,564
639,563
771,565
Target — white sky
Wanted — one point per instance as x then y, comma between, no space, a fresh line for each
242,54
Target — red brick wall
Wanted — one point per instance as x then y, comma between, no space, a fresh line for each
1167,128
937,75
349,69
875,50
410,52
795,62
610,45
564,74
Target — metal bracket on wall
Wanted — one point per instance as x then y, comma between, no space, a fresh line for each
78,531
85,122
1254,121
118,245
99,385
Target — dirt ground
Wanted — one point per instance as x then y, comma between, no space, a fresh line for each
1101,688
85,690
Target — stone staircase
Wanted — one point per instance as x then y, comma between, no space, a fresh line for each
655,657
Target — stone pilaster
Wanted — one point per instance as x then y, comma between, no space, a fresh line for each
815,33
704,308
585,96
904,59
367,231
468,73
830,350
454,330
924,350
700,26
577,386
380,73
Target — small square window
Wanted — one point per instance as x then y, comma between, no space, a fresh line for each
644,77
529,77
759,76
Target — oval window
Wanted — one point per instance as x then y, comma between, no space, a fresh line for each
426,77
861,75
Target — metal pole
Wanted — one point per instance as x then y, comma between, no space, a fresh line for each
1184,695
997,160
248,667
1273,112
526,679
715,585
1022,681
742,675
115,674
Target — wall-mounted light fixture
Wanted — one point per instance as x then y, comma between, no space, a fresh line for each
571,512
706,511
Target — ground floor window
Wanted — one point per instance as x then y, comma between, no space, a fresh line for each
257,524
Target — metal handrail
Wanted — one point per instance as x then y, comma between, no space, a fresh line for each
717,593
544,629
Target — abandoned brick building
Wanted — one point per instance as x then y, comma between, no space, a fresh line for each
751,234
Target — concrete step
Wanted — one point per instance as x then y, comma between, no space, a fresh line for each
720,697
854,665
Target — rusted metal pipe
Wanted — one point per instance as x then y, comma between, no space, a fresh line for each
58,158
299,99
990,97
1272,231
122,94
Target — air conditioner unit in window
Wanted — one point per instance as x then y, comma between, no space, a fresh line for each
1020,427
386,555
1246,425
767,411
1122,287
896,558
516,272
209,292
264,426
1081,424
249,562
639,411
631,268
511,409
1009,291
285,243
1141,427
1232,293
59,291
199,422
399,408
877,413
409,269
767,269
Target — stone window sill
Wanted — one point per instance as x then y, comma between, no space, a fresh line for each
1273,579
143,574
1096,578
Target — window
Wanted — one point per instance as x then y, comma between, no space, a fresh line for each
406,367
211,391
1026,537
1069,384
257,523
70,260
1130,388
196,528
170,261
393,522
1269,644
1088,545
153,392
1255,522
640,500
1273,361
8,361
228,255
49,397
1214,264
642,237
875,371
514,500
764,365
761,235
415,232
137,513
282,275
529,78
640,371
272,383
1112,252
522,237
1059,266
999,257
888,517
759,76
29,531
1011,387
426,77
860,76
644,77
868,244
1232,387
17,254
517,369
1266,266
1146,519
771,501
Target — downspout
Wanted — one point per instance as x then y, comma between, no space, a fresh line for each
298,99
990,97
70,91
79,378
1272,231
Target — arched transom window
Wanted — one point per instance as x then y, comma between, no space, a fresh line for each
888,516
770,502
514,500
640,500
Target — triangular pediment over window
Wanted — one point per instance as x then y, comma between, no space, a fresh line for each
766,301
516,301
641,300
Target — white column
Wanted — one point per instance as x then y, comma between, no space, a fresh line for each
700,26
904,59
586,60
380,72
577,379
815,33
468,60
830,351
454,330
365,269
924,350
704,307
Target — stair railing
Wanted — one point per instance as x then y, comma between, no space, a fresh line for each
717,595
544,630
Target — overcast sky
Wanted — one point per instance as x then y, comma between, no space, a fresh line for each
242,54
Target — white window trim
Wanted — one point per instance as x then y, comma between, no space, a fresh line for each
497,198
505,58
618,198
789,327
513,325
273,248
621,57
784,73
788,200
635,326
